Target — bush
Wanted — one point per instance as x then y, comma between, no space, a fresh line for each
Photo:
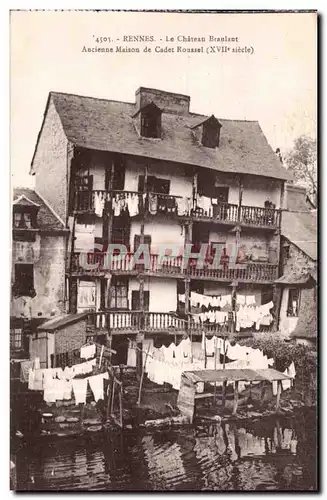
284,353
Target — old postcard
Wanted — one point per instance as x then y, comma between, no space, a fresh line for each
163,320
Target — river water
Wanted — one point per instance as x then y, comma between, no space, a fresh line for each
270,455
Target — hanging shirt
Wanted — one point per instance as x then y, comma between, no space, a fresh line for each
181,206
153,204
99,201
79,389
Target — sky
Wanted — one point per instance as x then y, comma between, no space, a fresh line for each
275,85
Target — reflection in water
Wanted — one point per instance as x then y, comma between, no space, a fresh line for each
261,456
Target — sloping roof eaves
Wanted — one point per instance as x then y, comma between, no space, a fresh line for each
105,125
296,279
300,228
57,323
46,219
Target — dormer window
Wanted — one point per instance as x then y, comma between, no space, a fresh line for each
208,132
24,219
150,121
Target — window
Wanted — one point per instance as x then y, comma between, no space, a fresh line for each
147,241
286,252
293,302
136,300
151,123
119,293
23,220
211,133
24,280
16,340
154,185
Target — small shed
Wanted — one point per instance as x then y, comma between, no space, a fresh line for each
188,394
59,335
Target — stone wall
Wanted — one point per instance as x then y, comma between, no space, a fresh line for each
71,337
47,254
50,163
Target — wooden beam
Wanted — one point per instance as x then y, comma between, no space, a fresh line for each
235,397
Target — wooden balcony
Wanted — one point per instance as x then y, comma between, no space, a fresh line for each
131,322
260,217
98,263
151,204
247,273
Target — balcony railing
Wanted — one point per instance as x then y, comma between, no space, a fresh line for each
93,263
256,216
222,212
150,322
155,203
254,272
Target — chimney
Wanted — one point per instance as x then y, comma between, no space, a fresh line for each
168,102
295,199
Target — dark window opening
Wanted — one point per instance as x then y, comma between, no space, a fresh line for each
118,181
154,185
118,293
151,125
266,296
137,241
210,135
293,302
136,300
24,219
24,280
286,252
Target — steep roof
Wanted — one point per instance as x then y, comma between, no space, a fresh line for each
46,218
300,228
106,125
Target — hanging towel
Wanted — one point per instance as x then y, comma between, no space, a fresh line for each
96,384
88,351
79,389
31,379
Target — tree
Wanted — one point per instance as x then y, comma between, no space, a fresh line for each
301,160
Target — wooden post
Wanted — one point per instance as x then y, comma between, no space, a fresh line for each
101,354
109,391
235,397
195,189
73,296
233,306
139,357
282,195
107,219
223,397
215,367
279,391
240,197
142,376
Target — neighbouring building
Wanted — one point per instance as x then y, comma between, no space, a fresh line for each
38,267
153,172
298,265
